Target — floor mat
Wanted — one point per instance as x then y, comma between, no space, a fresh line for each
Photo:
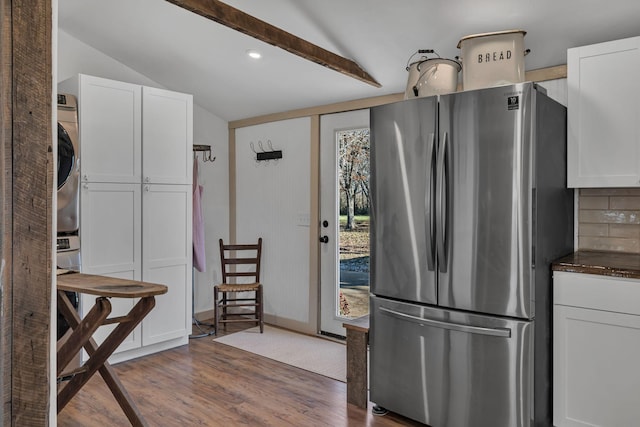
322,356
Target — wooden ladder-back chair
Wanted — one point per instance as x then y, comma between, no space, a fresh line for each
239,261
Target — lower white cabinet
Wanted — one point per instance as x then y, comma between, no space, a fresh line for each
110,229
166,259
596,350
140,232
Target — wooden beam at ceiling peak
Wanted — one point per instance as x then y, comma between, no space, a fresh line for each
240,21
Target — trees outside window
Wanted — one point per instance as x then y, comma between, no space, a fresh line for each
353,171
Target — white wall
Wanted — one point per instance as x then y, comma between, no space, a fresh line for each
273,202
214,177
75,57
557,90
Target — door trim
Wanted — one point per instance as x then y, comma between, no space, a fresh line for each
314,229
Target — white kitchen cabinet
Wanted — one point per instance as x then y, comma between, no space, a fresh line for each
136,201
111,214
128,130
109,113
166,259
165,160
596,350
604,114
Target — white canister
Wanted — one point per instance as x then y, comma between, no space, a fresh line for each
492,59
412,79
437,76
414,72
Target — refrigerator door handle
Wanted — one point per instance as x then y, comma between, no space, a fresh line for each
495,332
431,223
441,204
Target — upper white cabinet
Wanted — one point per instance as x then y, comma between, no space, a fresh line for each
110,113
164,160
131,133
604,114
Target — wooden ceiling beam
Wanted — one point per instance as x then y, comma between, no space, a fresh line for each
240,21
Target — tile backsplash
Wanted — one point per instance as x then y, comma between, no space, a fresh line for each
609,219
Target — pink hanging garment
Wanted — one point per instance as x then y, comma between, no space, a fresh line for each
199,259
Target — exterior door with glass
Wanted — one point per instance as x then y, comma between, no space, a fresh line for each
344,274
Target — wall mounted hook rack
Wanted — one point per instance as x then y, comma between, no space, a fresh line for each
206,152
269,154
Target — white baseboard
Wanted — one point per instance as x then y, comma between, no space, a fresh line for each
290,324
205,315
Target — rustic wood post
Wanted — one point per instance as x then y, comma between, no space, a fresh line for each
26,189
5,209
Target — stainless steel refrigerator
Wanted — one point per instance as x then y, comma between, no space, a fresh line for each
469,207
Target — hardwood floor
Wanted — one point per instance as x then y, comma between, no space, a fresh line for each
210,384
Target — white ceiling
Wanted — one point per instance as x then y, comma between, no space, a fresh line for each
187,53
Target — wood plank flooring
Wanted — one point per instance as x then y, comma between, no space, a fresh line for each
210,384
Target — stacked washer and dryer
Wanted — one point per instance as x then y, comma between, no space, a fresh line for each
68,241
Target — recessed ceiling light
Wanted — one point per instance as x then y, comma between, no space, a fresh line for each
254,54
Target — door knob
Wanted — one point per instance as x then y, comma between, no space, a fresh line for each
324,239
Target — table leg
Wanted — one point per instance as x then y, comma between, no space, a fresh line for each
98,356
98,313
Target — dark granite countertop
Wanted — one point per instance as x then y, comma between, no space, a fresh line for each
615,264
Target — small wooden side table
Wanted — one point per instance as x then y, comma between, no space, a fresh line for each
83,329
357,372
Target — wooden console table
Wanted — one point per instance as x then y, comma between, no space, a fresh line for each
83,329
357,342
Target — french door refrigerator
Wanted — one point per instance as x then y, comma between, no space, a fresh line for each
469,207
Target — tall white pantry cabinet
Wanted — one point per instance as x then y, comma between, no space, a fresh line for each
136,201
